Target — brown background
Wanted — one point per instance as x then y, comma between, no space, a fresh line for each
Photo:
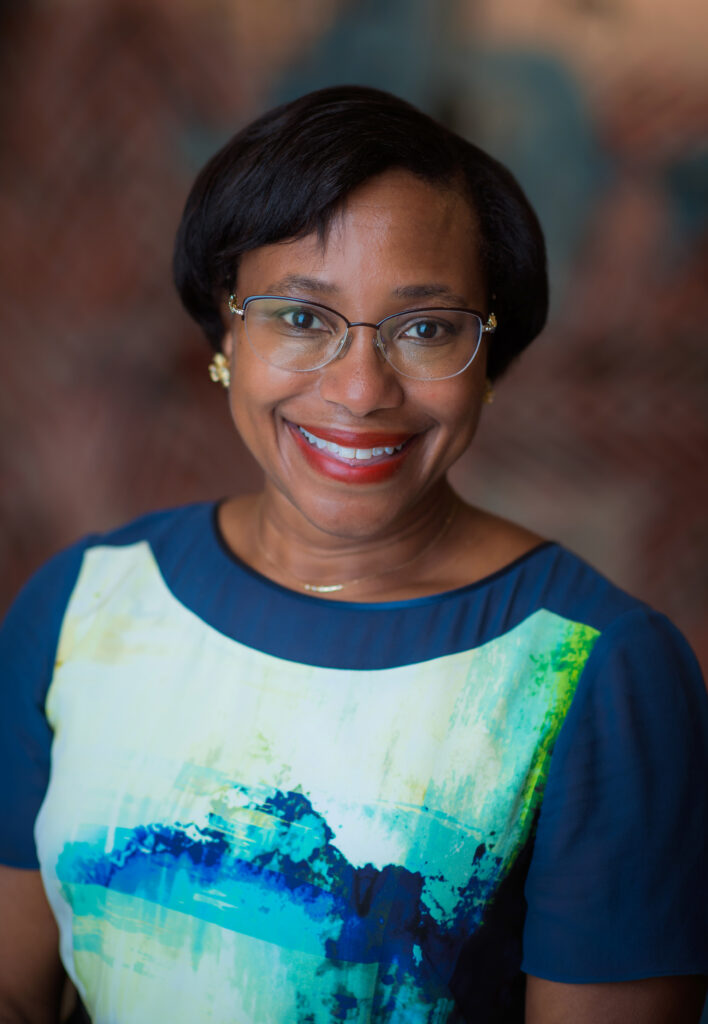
108,109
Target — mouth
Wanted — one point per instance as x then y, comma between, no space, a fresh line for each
352,457
349,453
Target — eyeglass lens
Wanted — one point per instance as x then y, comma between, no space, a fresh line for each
428,344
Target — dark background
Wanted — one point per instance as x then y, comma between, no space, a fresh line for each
109,107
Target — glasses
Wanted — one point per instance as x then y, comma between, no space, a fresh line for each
300,336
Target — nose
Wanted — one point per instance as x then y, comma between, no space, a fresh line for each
359,379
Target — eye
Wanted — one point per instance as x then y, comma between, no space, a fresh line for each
302,319
426,330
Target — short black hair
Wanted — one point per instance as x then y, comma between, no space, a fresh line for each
289,172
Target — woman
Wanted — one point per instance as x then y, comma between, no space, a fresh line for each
350,749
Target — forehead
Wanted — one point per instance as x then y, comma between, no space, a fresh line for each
397,198
394,229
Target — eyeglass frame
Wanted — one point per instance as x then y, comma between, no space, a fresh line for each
487,326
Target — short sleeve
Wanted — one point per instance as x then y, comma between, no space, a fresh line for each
617,886
28,643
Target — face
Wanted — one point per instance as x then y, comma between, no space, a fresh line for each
398,244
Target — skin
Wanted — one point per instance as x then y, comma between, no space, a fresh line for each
645,1001
395,231
31,975
398,244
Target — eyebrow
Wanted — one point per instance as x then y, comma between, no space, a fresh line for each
427,291
301,283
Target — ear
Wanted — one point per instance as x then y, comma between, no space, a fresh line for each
227,317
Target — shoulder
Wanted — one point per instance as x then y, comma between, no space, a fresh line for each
631,649
635,644
637,666
500,555
34,618
158,526
517,572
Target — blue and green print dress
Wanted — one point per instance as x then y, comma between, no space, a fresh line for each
252,806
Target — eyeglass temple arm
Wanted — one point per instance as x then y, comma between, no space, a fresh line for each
233,306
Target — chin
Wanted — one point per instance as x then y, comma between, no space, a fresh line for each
356,516
347,522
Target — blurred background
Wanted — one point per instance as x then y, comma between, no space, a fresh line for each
108,109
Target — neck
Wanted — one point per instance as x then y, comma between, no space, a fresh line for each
305,555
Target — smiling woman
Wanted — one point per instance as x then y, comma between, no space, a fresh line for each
348,748
357,396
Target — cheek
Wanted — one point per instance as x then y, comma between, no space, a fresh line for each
462,401
257,389
253,382
249,395
455,405
462,422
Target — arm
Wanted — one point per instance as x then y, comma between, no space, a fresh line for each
31,975
650,1000
676,1000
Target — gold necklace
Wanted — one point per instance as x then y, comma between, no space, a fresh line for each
331,588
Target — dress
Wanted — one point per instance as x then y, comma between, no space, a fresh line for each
264,806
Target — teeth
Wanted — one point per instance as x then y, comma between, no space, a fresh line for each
355,454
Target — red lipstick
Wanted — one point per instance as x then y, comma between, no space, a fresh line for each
358,439
362,471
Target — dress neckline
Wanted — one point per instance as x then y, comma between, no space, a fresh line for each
315,600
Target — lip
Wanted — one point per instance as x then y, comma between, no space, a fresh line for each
368,471
356,439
